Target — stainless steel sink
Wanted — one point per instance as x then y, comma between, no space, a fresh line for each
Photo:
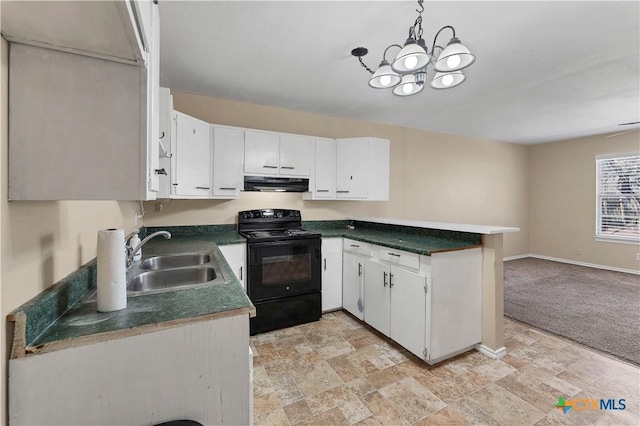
172,272
171,278
175,261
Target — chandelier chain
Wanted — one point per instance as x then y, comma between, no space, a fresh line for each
364,66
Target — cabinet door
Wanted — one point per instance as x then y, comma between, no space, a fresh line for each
261,151
331,273
192,177
325,174
236,257
352,268
295,155
228,151
408,309
152,30
351,168
376,295
166,112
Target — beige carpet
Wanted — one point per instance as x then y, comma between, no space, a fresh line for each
595,307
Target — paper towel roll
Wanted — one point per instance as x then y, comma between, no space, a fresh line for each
112,270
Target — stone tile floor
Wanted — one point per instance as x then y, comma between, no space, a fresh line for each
339,371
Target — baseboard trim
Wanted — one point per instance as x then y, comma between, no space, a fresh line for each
589,265
518,256
491,353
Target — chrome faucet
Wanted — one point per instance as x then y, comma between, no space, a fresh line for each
132,252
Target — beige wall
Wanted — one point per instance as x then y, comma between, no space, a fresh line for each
433,176
562,186
42,242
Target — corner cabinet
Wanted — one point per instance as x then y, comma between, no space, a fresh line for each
362,169
83,123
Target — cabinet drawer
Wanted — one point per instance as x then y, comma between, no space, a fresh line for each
399,257
357,247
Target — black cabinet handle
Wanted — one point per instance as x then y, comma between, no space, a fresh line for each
342,192
227,189
202,187
385,279
390,280
161,172
287,167
325,263
241,272
359,269
270,167
393,254
322,190
354,245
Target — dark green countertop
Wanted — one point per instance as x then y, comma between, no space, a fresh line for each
421,244
83,324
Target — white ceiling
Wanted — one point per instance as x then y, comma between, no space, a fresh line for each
545,70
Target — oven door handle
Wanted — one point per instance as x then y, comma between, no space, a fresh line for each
280,243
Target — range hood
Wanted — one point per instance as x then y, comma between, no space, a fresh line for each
275,184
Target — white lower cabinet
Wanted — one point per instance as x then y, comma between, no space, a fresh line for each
408,320
377,295
331,274
352,283
236,257
433,307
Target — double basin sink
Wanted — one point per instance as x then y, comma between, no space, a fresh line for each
174,271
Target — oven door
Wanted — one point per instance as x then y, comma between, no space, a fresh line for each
279,269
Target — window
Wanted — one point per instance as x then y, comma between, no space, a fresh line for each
618,198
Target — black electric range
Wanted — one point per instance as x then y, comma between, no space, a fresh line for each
283,268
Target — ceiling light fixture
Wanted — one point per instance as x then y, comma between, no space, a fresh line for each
408,71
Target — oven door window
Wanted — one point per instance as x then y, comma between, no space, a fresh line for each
286,269
281,269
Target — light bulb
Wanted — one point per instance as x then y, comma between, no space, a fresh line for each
447,80
410,62
385,80
453,61
407,88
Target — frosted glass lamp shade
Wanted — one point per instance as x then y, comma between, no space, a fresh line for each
408,86
384,77
454,57
447,80
412,57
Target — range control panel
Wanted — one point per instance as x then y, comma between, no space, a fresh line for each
248,215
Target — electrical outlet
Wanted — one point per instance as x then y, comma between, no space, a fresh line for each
637,256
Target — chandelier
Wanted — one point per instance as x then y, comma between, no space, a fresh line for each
408,71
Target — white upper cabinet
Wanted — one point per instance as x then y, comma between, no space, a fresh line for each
191,160
295,155
275,154
362,169
261,152
228,155
351,172
82,128
322,182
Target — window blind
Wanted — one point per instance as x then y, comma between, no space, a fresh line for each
618,196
